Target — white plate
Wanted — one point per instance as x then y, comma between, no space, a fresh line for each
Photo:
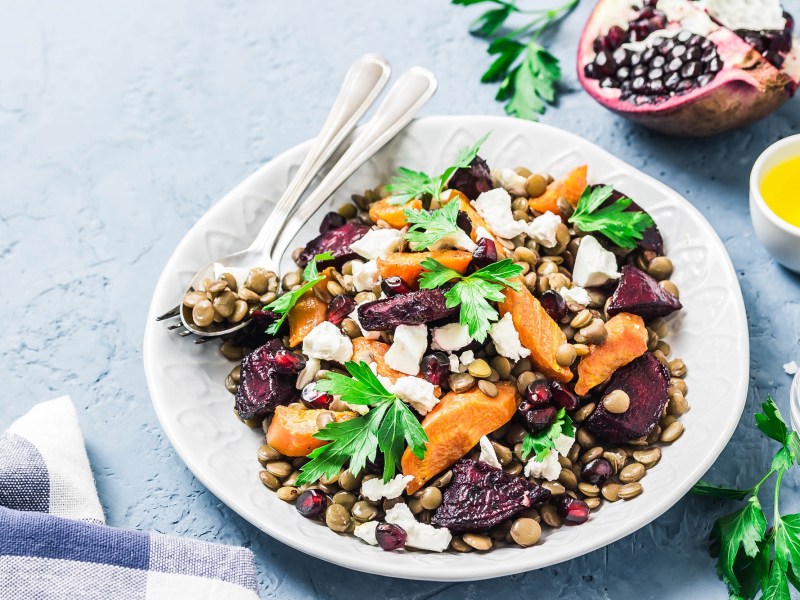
710,334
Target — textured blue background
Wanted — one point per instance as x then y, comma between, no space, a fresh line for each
122,122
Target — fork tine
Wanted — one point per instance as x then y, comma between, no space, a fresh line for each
170,313
184,333
203,340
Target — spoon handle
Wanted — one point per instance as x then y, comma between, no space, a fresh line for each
364,81
405,98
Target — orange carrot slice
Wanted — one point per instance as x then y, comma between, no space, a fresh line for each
570,187
392,214
292,430
407,265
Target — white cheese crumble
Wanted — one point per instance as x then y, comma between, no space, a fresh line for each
506,339
416,392
458,240
366,531
365,275
576,294
510,181
326,342
419,535
563,444
791,368
543,229
375,489
377,243
757,15
240,274
370,335
549,468
495,207
452,336
455,364
410,343
488,455
467,357
481,233
594,265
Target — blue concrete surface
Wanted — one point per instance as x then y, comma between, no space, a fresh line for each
122,122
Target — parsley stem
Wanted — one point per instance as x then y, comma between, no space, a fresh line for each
545,17
776,509
755,489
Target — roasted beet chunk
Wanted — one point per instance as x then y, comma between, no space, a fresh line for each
422,306
651,238
267,380
638,293
481,496
336,241
472,181
645,380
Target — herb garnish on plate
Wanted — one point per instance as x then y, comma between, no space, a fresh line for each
389,426
620,225
284,303
542,442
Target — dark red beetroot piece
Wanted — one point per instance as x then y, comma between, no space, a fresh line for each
254,334
645,380
472,181
422,306
267,380
336,241
332,220
640,294
435,368
481,496
340,307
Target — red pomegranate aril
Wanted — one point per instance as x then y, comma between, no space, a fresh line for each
563,396
554,305
539,419
538,393
340,307
572,510
311,504
435,368
390,536
597,471
616,36
392,286
312,398
485,254
288,363
332,220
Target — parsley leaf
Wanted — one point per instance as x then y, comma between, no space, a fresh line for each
542,442
532,84
621,226
409,184
473,292
702,488
285,302
744,528
771,422
430,226
388,426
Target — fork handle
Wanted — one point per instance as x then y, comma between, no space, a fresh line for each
405,98
364,81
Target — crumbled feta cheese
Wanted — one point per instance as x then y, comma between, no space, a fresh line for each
458,240
240,274
366,531
377,243
370,335
356,408
467,357
452,336
754,15
410,343
481,233
563,444
488,455
549,468
416,392
576,294
791,368
594,265
326,342
375,489
418,535
495,207
510,181
506,339
365,275
543,229
455,364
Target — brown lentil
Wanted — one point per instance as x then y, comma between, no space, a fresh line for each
677,368
610,491
633,472
459,545
203,313
591,454
488,388
267,453
478,541
550,516
584,438
443,480
672,432
364,511
648,457
617,402
660,267
288,493
460,382
566,355
526,532
568,479
630,490
595,332
479,369
582,319
279,468
337,518
513,469
269,480
583,412
555,488
670,287
588,489
525,379
431,498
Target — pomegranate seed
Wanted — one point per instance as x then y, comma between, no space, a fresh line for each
392,286
340,307
288,363
390,536
572,510
314,399
538,393
435,368
554,305
538,419
597,471
485,253
563,396
311,504
463,222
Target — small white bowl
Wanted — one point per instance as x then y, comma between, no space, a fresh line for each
782,239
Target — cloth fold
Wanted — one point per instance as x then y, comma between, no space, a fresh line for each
53,543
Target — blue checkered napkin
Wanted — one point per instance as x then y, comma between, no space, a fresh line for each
53,544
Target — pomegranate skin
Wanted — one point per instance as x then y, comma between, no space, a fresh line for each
747,89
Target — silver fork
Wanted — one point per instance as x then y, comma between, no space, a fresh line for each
402,102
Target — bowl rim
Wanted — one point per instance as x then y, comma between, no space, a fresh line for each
489,568
756,175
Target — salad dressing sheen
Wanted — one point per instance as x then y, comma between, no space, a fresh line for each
781,190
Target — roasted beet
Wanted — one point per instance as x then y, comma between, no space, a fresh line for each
332,220
254,334
392,286
340,307
472,181
463,222
262,387
336,241
485,254
563,396
435,368
481,496
645,380
640,294
422,306
554,305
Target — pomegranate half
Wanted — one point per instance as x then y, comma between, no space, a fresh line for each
690,67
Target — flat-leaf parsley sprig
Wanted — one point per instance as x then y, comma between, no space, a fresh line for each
427,227
622,226
388,426
473,292
541,442
527,72
408,184
750,557
285,302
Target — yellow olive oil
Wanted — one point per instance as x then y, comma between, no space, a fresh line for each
781,190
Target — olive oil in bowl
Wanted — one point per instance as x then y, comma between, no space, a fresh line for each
780,189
